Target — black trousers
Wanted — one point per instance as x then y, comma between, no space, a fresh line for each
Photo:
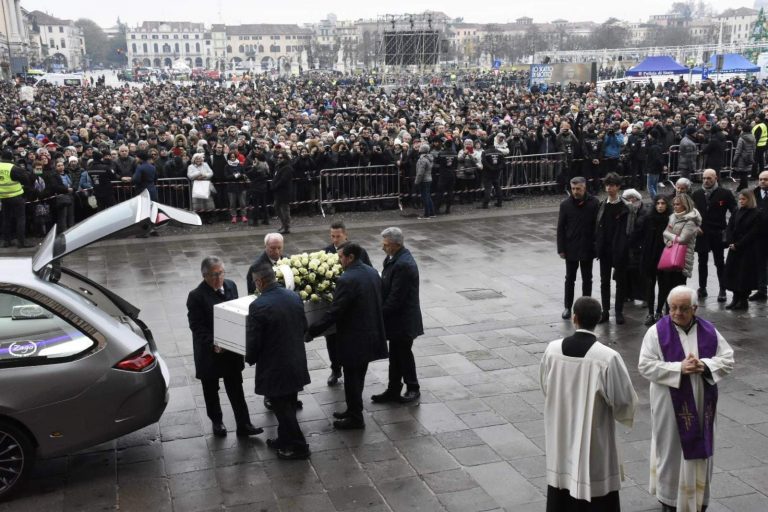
714,244
233,384
488,183
14,219
620,275
570,279
332,343
289,434
283,210
402,366
446,184
650,291
762,270
560,500
354,381
667,281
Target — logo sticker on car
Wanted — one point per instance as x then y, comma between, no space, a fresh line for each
22,348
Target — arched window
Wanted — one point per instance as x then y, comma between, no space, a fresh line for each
197,47
166,48
261,48
176,47
133,47
154,47
144,46
186,47
241,49
229,49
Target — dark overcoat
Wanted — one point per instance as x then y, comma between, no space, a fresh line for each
209,364
275,342
576,228
356,311
400,294
740,266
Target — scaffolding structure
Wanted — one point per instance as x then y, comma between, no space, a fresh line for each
409,42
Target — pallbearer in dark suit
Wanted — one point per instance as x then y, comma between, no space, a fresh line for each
402,317
356,312
275,343
338,238
211,362
761,199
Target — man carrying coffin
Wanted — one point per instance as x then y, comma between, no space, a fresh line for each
684,357
587,389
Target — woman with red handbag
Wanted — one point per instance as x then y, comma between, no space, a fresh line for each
676,263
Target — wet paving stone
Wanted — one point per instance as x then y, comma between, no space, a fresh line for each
491,297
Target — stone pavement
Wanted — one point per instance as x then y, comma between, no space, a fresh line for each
491,294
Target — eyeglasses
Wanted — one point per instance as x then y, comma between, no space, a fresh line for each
216,275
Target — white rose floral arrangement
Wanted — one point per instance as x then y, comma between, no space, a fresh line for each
311,275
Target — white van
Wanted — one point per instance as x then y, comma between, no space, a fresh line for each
68,79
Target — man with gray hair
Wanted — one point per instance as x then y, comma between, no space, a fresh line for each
273,251
402,317
576,239
683,186
684,357
212,362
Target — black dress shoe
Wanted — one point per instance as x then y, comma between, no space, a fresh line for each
387,396
722,297
732,304
289,454
482,207
649,320
758,297
603,318
334,378
219,430
410,396
268,403
272,444
348,424
566,314
620,318
741,305
341,415
299,405
702,292
248,430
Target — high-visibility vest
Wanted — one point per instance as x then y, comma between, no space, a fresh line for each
8,187
763,134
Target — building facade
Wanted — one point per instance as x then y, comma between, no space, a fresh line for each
14,42
61,43
161,44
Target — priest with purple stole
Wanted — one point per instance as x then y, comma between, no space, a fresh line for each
587,390
684,357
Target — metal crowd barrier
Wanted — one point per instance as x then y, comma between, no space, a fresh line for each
673,156
171,191
359,184
531,171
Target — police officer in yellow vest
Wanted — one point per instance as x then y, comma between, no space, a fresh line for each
760,131
12,200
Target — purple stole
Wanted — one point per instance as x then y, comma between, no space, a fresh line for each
695,439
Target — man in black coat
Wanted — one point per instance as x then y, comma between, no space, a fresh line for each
493,164
273,251
614,227
761,198
714,203
275,343
211,362
402,317
338,238
356,312
282,191
576,240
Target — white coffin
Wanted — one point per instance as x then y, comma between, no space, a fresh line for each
229,320
229,323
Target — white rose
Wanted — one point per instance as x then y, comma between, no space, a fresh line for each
303,295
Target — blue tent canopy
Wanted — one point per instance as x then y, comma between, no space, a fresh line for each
654,66
732,63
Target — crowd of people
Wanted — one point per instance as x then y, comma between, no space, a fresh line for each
642,246
80,150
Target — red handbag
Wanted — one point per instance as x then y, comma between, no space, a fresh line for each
673,257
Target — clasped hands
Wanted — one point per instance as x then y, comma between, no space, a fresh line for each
691,364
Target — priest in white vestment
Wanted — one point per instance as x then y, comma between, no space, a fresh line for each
684,357
587,389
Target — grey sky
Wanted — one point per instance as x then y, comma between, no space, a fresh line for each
307,11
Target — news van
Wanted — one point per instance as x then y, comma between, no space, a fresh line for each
61,79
